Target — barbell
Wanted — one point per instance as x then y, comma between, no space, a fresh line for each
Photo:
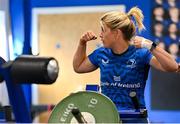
85,107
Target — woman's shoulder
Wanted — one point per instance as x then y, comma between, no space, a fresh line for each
142,51
102,49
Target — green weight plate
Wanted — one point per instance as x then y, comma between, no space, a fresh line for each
95,108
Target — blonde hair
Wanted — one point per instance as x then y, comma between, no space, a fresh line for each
123,21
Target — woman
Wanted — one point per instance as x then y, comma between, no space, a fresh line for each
124,58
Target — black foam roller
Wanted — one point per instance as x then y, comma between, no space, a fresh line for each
33,69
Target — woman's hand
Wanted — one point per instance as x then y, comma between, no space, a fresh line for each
87,36
141,42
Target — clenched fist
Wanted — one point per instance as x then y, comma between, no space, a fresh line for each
87,36
141,42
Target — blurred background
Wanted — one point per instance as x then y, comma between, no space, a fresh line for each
53,28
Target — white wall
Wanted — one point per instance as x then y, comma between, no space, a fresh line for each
4,44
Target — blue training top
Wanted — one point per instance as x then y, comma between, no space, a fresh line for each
122,73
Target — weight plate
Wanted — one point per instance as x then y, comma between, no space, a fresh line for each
95,108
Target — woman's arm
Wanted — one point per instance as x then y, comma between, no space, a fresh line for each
81,62
162,60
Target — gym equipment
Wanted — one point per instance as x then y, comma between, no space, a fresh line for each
134,100
136,115
85,107
6,114
26,69
79,117
38,109
92,87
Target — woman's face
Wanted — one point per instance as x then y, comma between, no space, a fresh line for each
107,36
174,13
158,28
159,11
172,28
173,49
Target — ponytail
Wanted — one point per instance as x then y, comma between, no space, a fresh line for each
138,16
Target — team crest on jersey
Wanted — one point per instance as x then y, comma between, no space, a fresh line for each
131,63
117,78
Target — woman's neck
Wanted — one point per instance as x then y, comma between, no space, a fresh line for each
120,47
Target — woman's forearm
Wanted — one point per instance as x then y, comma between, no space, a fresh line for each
79,56
165,59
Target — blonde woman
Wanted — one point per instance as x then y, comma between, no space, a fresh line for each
124,59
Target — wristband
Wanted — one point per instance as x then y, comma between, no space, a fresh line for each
145,44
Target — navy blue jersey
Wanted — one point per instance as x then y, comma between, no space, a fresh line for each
122,73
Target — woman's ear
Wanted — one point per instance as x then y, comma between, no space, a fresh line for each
118,33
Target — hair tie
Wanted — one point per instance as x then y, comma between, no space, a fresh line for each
129,16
